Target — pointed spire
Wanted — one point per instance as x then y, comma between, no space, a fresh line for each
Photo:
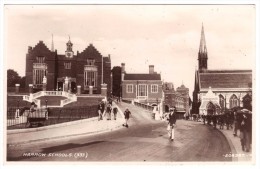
52,44
203,48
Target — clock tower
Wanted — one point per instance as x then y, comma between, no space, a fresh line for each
69,52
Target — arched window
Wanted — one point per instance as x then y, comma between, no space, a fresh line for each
221,101
233,102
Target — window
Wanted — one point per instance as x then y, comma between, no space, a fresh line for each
233,102
91,62
38,75
129,88
154,88
142,90
221,101
67,65
40,59
90,76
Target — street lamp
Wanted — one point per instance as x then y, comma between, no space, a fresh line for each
46,101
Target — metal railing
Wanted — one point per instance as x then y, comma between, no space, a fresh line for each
20,118
145,106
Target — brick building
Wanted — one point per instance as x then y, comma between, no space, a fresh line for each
69,70
178,98
144,88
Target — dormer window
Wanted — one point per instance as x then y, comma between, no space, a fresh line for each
91,62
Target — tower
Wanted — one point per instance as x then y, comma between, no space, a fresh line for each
203,54
69,52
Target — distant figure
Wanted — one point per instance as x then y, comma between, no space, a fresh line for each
221,121
100,111
172,121
127,116
115,112
108,111
246,132
33,107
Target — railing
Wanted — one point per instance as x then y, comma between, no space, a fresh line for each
67,101
20,119
53,93
37,102
36,95
145,106
33,97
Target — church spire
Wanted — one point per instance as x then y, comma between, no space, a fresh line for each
203,48
203,54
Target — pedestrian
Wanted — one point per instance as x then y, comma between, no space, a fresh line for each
100,112
214,120
204,118
221,121
246,132
115,112
127,116
108,111
236,124
172,121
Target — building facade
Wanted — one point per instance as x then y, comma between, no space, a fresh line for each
216,91
67,71
178,98
144,88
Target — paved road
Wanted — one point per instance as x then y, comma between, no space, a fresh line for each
144,140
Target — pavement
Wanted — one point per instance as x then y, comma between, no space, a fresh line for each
237,154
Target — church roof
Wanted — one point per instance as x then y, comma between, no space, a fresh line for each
225,79
142,77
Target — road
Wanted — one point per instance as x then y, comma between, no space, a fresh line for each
144,140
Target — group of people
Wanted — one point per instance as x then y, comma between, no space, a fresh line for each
236,121
105,109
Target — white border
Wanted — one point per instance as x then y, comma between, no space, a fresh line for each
256,83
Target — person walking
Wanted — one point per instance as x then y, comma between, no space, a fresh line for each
115,112
172,121
127,116
100,112
108,111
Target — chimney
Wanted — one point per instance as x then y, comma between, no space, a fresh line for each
122,70
151,69
123,67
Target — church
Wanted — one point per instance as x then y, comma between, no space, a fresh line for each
216,91
68,71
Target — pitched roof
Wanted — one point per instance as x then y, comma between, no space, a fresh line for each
142,77
225,79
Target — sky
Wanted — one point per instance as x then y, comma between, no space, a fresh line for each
166,36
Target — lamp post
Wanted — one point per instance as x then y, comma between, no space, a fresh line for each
46,101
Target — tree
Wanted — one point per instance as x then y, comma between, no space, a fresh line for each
12,78
116,88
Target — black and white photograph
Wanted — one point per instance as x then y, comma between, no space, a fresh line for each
136,83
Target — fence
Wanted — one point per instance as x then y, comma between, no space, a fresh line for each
145,106
24,118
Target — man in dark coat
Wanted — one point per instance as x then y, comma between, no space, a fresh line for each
172,121
127,116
